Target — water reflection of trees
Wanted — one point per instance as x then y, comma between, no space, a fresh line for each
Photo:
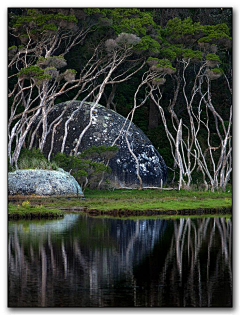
124,263
198,258
91,256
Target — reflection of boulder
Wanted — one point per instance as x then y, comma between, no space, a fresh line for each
105,128
42,183
43,228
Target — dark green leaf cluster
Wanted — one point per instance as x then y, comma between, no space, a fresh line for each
192,54
12,47
35,19
164,63
180,52
217,70
168,53
67,162
148,43
89,164
91,11
34,72
213,57
176,28
50,27
214,33
72,71
30,154
161,65
132,20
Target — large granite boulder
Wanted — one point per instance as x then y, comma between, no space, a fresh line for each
43,183
105,128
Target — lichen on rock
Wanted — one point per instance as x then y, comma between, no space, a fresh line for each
43,183
106,127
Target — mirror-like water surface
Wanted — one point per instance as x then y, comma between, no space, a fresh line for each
81,261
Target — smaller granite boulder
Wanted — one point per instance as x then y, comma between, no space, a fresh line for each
43,183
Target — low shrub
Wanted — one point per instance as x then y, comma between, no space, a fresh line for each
89,167
34,159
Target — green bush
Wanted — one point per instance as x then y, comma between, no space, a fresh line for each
34,159
89,167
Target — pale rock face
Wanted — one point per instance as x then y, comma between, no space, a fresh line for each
105,128
43,183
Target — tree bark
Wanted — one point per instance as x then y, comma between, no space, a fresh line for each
153,117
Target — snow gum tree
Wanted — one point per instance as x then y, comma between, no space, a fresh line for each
195,52
39,73
175,68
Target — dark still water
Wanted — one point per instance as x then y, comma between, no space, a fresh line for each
81,261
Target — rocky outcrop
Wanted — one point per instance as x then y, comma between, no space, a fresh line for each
43,183
106,127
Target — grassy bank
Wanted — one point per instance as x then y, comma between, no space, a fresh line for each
135,200
28,211
156,200
149,202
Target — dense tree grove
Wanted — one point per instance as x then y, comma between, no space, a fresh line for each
167,70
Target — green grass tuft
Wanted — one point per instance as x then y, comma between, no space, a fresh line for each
28,211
